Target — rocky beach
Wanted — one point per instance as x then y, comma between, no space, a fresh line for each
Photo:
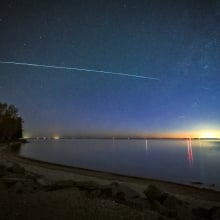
36,190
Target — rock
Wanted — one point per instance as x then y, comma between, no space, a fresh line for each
7,164
26,186
118,192
153,193
18,187
33,184
31,176
119,196
95,194
201,213
139,203
180,209
157,206
184,212
87,185
215,213
3,171
61,185
122,191
43,182
15,168
2,167
105,191
167,205
171,202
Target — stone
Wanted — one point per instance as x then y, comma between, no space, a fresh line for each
2,167
15,168
7,164
95,194
138,203
87,185
171,202
119,197
201,213
153,193
123,192
184,212
31,176
157,206
43,182
3,171
179,209
26,187
117,192
18,187
105,191
215,213
61,185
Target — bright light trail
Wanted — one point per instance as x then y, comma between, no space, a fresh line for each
78,69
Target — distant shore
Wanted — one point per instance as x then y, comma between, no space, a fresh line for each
121,138
48,175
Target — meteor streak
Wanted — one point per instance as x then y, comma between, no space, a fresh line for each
77,69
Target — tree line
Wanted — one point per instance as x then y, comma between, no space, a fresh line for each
11,124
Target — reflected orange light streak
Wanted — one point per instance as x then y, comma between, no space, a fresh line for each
190,152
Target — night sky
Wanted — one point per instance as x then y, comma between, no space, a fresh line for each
177,42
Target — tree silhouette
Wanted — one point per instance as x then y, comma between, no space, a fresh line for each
10,123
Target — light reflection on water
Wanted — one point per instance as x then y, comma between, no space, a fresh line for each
176,160
190,151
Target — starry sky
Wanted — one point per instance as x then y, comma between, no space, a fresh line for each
177,42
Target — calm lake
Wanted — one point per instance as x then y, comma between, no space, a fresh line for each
174,160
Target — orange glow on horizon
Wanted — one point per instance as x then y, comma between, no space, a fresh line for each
185,134
172,135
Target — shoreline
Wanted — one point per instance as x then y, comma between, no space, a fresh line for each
108,174
103,175
54,181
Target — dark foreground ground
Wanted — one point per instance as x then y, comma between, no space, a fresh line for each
33,190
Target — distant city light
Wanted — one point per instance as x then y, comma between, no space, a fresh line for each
26,135
56,137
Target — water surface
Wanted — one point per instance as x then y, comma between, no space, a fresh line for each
174,160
